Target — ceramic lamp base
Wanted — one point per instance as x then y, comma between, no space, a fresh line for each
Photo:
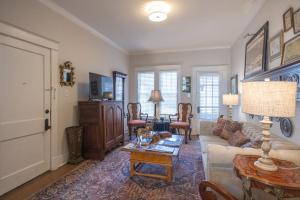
265,164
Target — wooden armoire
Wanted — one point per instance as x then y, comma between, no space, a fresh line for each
103,127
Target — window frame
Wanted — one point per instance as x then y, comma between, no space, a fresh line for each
156,70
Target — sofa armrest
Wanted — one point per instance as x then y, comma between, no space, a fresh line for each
206,127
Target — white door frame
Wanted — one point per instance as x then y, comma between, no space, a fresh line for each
223,71
53,46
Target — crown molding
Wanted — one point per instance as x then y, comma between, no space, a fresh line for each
53,6
137,53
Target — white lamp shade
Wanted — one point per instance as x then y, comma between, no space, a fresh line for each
269,98
230,99
155,96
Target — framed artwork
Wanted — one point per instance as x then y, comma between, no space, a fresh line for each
275,47
234,84
256,52
291,51
186,84
297,21
288,19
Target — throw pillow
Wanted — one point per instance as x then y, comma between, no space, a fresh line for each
238,139
217,130
227,130
236,126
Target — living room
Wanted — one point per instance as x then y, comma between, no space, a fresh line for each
86,85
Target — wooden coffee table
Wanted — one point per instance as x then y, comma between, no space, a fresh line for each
140,156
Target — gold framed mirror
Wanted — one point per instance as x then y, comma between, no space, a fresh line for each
67,74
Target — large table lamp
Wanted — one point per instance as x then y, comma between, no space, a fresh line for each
155,97
230,100
268,99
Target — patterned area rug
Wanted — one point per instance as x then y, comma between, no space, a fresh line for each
110,179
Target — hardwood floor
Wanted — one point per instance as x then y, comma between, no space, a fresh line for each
27,189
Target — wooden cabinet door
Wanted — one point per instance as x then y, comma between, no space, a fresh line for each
108,124
119,123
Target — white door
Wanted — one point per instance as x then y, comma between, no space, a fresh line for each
208,95
24,101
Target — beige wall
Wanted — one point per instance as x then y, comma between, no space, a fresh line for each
272,11
187,60
87,52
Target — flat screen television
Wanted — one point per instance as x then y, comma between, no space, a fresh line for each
101,87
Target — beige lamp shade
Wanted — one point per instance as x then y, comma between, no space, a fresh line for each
156,96
230,99
269,98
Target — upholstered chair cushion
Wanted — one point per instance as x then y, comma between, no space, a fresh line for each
238,139
180,125
136,122
217,130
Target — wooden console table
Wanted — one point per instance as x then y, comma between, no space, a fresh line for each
284,183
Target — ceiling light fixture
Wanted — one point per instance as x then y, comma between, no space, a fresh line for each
157,10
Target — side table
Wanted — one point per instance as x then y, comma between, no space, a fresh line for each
161,125
284,183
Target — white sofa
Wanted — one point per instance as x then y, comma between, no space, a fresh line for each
217,156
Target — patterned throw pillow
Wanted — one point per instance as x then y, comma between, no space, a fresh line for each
238,139
217,130
230,128
253,144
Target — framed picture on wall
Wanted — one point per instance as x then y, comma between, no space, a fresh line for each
275,47
297,21
288,20
234,84
256,52
186,84
291,51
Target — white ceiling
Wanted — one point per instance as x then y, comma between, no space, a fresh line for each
192,24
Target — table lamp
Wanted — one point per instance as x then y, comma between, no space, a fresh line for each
155,97
268,99
230,100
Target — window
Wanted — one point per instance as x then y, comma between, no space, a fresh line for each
209,84
119,89
168,88
145,84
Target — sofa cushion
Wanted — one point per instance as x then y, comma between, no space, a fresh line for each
238,139
206,140
217,130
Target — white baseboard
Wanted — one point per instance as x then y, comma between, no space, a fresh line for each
58,161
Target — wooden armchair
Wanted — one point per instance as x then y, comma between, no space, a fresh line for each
135,119
183,119
210,194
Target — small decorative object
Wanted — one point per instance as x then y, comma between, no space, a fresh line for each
186,84
291,51
107,95
230,100
269,99
234,84
155,97
67,74
275,46
296,21
286,127
74,139
288,20
256,52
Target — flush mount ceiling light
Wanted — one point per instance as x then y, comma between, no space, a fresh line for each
157,10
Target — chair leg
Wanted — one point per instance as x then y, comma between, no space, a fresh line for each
185,135
190,134
129,131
